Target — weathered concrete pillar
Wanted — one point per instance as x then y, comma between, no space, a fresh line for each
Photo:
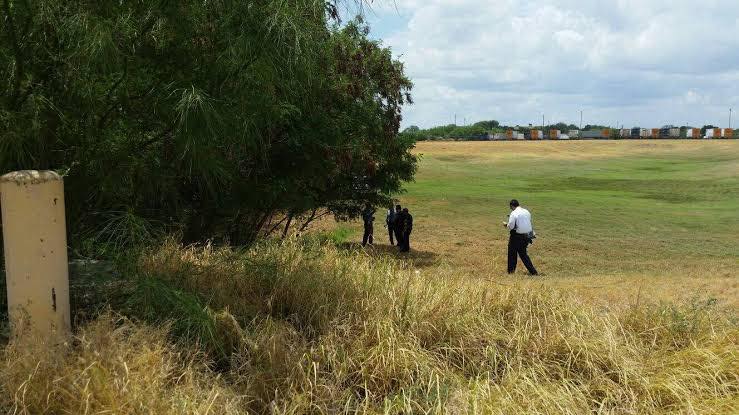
35,241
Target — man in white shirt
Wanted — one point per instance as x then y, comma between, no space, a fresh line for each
519,223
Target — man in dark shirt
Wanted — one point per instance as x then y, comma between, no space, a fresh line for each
390,223
368,216
407,228
397,229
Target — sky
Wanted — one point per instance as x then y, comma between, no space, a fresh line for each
642,63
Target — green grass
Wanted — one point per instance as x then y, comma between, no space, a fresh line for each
610,209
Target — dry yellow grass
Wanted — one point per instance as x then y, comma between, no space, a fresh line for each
324,330
112,366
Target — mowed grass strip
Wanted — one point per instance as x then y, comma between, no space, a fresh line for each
614,219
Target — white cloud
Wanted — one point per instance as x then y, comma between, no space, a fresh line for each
637,62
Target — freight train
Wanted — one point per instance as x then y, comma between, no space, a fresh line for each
666,132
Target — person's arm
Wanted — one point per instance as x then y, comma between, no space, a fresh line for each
511,221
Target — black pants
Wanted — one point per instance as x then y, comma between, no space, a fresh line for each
517,245
368,234
405,244
398,236
391,231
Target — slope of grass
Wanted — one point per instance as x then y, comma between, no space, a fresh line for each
615,219
310,328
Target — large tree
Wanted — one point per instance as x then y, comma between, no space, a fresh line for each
223,119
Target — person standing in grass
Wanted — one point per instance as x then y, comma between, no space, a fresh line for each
522,234
397,230
368,216
407,228
390,223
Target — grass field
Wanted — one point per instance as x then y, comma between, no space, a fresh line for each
643,234
614,219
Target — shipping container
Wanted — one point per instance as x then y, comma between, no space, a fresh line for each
644,133
713,133
624,132
664,132
574,134
590,134
510,134
655,133
690,133
728,133
635,132
674,133
554,134
536,135
520,136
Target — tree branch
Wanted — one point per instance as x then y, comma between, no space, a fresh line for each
156,138
287,225
312,218
19,63
116,84
277,225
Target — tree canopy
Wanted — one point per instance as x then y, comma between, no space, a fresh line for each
221,120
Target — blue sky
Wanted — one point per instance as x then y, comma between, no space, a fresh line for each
622,62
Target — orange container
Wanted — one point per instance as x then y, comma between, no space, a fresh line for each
728,133
606,133
655,132
717,133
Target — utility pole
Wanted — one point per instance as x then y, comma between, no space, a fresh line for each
729,117
455,119
580,120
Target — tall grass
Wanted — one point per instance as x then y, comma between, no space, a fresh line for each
111,366
308,328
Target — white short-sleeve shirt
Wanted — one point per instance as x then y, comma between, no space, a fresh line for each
520,221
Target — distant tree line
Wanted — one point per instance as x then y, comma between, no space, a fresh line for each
451,131
223,120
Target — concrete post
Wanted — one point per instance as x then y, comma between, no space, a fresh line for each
35,241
